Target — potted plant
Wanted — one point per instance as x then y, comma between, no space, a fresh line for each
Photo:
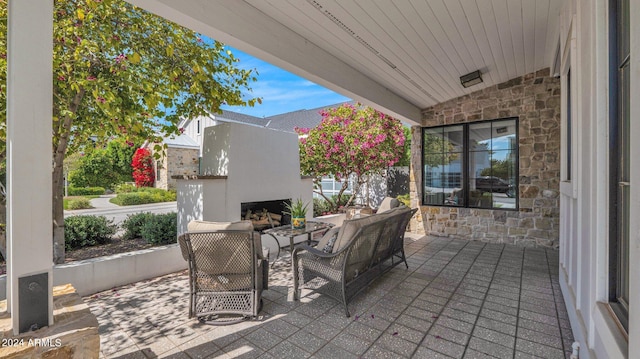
298,212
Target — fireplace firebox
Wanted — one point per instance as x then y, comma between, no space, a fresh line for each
265,214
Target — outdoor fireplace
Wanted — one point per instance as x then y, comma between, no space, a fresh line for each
265,214
243,166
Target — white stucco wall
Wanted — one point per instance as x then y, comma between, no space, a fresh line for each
584,233
258,164
103,273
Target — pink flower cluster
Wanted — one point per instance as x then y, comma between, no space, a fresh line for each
350,140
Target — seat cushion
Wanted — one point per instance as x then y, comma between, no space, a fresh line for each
219,226
388,203
206,226
349,228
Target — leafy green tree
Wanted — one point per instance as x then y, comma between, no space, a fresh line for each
122,72
350,141
499,168
121,152
104,167
96,170
405,160
434,146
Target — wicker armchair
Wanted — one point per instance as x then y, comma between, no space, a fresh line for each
227,273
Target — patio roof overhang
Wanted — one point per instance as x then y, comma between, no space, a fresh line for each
400,56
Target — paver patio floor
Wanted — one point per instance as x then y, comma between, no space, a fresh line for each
458,299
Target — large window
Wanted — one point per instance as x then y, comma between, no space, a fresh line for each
619,192
471,165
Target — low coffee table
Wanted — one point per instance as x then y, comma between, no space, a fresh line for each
288,231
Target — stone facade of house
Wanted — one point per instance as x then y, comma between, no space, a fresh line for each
176,162
535,99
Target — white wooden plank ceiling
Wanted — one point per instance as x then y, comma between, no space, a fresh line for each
397,55
419,49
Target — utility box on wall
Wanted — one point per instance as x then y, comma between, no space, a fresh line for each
33,302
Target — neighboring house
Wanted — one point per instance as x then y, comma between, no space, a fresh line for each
301,119
194,127
286,122
181,157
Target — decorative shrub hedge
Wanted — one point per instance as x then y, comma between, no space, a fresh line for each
160,229
86,231
79,203
126,188
133,224
144,195
85,191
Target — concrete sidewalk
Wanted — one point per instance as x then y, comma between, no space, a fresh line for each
103,202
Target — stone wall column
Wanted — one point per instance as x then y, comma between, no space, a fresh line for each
535,100
29,178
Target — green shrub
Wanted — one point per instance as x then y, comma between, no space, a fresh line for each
85,191
130,199
404,199
143,196
161,229
133,224
85,231
320,207
126,188
79,203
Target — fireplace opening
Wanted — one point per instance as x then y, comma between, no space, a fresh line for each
265,214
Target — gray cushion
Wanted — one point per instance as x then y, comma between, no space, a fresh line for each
207,226
388,203
349,229
194,226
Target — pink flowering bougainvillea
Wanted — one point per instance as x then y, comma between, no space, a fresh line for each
350,141
142,164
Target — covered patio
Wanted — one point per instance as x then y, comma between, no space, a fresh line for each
458,299
461,297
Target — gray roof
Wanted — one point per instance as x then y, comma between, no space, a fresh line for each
182,141
302,118
239,117
286,122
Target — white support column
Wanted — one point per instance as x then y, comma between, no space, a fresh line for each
29,114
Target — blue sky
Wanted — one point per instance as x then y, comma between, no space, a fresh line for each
280,90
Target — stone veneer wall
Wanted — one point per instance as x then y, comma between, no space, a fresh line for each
177,162
535,99
73,335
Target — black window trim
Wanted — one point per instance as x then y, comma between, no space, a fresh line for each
465,154
620,311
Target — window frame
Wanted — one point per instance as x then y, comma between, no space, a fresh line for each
618,246
568,99
465,167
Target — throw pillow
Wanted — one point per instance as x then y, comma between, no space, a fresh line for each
332,240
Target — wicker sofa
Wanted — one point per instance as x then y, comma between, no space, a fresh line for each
362,250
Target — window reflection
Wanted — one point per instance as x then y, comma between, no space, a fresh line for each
491,149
